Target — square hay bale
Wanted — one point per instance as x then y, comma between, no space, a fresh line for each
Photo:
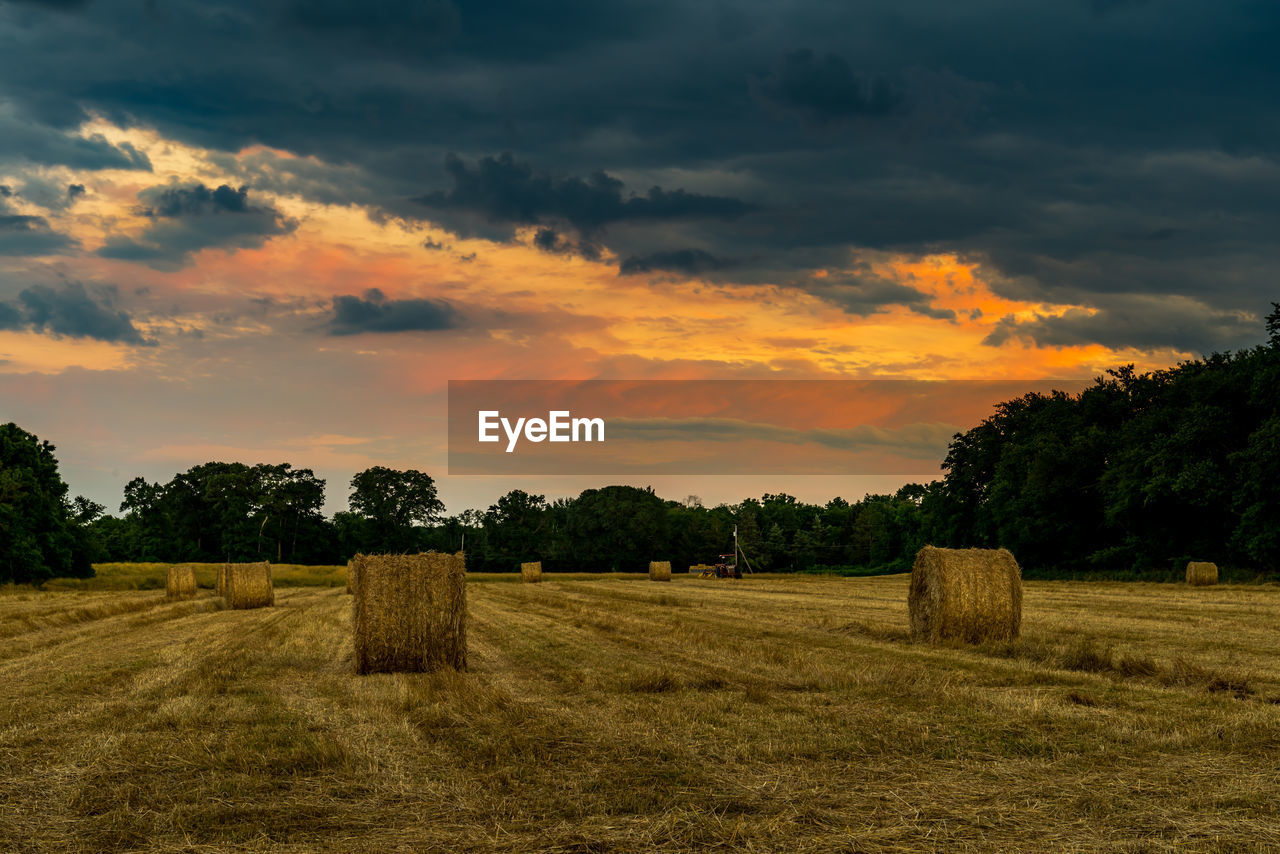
659,570
1202,573
181,582
410,612
531,572
248,585
970,595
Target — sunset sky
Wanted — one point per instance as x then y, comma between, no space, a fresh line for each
274,231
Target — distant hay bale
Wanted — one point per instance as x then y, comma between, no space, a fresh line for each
248,585
531,572
351,576
1202,573
659,570
410,612
970,595
181,582
222,580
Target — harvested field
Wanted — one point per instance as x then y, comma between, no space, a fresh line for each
594,718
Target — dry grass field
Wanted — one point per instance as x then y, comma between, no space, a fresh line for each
609,714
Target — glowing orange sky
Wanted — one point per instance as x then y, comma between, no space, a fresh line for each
249,319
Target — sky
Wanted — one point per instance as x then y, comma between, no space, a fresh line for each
274,231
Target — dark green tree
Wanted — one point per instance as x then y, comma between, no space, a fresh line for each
395,503
40,534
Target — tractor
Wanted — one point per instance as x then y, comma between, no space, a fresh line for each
726,567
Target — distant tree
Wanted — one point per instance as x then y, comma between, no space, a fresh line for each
395,503
516,529
40,536
616,528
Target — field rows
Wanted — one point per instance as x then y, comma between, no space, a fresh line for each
612,714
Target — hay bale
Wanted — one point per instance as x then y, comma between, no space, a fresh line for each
410,612
531,572
181,582
971,595
222,580
1202,573
351,576
248,585
659,570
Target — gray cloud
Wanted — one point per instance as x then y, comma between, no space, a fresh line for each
187,219
22,139
27,234
918,441
824,90
688,261
353,315
504,190
868,294
71,311
1142,322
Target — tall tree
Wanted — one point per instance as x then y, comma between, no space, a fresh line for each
40,536
395,502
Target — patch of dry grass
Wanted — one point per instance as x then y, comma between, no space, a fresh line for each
604,714
152,576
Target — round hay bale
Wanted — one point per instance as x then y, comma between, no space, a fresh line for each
222,579
248,585
970,595
351,576
409,612
531,572
1202,573
181,582
659,570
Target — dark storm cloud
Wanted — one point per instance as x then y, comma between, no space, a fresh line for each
689,261
72,312
863,296
187,219
824,90
373,312
1144,323
395,24
52,4
504,190
1042,141
27,234
23,139
1105,7
199,199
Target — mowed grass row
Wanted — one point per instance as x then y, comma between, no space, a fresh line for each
612,714
151,576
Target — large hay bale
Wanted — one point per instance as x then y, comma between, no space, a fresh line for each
531,572
248,585
410,612
1202,573
181,582
659,570
970,595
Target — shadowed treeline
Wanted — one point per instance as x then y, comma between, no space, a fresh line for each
1134,475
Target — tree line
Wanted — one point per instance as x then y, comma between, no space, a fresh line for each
1135,474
